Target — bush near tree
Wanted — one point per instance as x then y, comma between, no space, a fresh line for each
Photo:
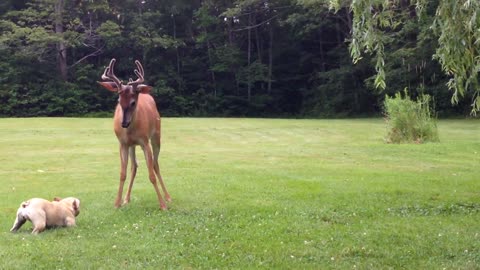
409,120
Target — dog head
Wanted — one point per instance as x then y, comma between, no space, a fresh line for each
70,202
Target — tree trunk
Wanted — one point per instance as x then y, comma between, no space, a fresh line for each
257,42
230,31
321,52
270,59
259,52
249,55
61,47
176,47
237,84
210,63
177,54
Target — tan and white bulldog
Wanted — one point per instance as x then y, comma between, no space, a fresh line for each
45,214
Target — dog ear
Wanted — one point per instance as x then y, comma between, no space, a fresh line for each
76,204
57,199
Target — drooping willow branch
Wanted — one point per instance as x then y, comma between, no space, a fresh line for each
456,25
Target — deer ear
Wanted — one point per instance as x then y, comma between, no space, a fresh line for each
110,86
144,89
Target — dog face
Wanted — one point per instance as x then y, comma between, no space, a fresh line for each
70,201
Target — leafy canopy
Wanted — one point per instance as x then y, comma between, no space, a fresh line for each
456,24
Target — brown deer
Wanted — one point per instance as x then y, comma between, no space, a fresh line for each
136,122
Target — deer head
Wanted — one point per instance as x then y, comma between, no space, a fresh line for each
128,93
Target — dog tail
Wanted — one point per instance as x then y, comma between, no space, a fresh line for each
25,204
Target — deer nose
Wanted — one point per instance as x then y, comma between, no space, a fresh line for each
126,118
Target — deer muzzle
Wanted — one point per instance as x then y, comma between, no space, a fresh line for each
127,118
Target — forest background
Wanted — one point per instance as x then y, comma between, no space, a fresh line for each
256,58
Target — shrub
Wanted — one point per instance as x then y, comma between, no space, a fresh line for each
408,120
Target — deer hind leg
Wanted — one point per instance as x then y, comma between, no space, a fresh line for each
156,152
151,173
133,172
123,173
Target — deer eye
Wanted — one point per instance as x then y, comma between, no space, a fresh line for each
132,104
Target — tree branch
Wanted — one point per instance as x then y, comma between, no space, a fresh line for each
95,53
256,25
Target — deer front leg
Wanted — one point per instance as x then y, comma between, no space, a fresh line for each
123,173
133,172
151,174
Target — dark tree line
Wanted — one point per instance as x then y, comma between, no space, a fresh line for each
281,58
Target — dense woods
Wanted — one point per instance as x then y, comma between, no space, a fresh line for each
274,58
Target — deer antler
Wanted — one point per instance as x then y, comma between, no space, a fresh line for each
108,75
140,73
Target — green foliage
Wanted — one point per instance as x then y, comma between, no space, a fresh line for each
255,72
408,120
111,33
215,58
455,24
226,59
338,94
143,38
29,32
203,17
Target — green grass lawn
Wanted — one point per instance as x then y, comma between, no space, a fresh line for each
247,193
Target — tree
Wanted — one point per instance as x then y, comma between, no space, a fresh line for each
61,46
456,25
253,16
46,29
216,57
